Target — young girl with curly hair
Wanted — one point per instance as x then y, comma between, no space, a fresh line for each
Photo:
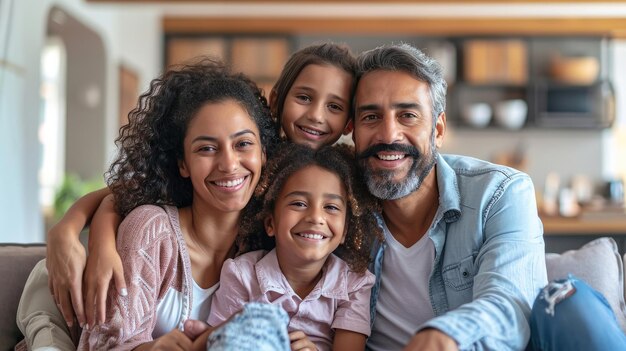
310,104
189,162
309,205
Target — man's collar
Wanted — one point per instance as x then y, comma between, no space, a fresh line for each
449,195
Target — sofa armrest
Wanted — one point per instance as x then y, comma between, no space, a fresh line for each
600,265
16,262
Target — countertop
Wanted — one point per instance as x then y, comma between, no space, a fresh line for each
585,225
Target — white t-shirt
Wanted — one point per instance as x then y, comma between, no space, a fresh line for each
403,302
170,308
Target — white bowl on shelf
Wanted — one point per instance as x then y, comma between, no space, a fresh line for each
477,115
511,114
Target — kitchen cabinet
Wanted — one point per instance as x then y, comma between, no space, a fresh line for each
556,82
515,81
260,57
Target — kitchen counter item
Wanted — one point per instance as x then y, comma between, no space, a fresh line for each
477,114
575,69
615,191
511,114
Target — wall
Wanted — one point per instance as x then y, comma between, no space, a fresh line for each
85,110
132,36
615,142
570,152
20,151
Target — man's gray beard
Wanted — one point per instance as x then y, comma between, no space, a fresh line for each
381,184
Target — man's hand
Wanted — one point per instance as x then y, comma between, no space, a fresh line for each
432,339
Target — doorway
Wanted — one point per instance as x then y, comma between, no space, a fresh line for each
72,123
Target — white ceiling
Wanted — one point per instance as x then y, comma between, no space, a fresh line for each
395,10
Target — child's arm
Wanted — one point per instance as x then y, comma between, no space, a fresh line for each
352,317
343,340
66,255
348,340
103,262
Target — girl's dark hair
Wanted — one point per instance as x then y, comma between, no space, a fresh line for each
338,55
145,170
361,205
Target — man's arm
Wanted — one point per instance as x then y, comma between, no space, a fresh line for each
432,339
510,270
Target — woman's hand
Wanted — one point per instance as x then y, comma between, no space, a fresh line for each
301,342
65,262
174,340
197,331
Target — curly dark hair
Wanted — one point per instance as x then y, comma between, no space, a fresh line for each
145,170
338,55
338,159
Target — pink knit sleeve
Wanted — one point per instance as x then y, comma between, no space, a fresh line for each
148,248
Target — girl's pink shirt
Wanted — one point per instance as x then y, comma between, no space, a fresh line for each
340,300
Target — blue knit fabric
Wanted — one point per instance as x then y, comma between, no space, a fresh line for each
261,327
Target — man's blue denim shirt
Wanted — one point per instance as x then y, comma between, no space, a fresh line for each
489,255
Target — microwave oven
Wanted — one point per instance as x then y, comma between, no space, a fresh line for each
574,106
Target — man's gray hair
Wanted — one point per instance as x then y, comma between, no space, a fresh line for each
406,58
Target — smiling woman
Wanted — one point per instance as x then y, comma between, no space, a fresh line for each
197,141
189,161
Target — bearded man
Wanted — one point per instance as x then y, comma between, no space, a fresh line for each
463,255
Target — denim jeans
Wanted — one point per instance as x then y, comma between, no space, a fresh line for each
570,315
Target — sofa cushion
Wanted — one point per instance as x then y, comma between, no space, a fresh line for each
16,262
600,265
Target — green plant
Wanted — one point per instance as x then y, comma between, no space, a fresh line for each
71,189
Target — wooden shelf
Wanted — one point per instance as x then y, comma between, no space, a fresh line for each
615,27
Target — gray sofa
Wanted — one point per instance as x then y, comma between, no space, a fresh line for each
598,262
16,262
